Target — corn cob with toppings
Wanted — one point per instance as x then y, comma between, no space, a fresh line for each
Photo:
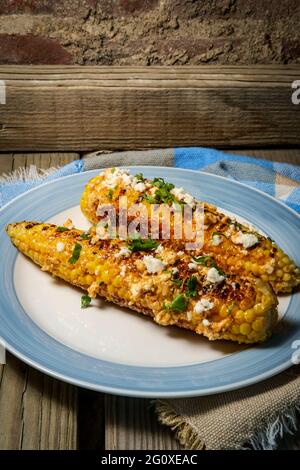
153,278
236,247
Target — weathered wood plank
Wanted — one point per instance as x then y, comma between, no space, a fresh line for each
36,411
130,424
73,108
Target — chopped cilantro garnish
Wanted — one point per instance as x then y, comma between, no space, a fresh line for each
140,177
177,281
162,194
235,223
110,194
142,245
220,234
76,253
85,236
204,260
230,308
209,262
191,286
270,239
85,301
62,229
149,199
179,304
113,170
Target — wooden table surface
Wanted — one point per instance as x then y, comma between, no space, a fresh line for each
39,412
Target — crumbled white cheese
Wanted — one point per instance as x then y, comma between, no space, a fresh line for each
175,270
60,247
147,287
189,199
112,178
124,252
140,187
245,239
159,249
180,253
153,265
214,276
203,305
189,316
269,267
123,271
193,266
127,179
181,195
205,322
216,239
135,289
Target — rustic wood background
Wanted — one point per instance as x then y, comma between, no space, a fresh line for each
55,115
86,108
39,412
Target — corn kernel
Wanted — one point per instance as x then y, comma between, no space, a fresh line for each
239,316
235,329
258,324
245,329
258,308
249,315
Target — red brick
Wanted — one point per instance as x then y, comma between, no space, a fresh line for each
112,8
26,6
238,9
32,50
291,49
116,8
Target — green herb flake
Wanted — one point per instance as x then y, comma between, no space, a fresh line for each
113,170
139,244
219,234
85,301
162,194
150,199
204,260
230,308
209,262
177,282
62,229
75,254
191,286
270,239
110,194
140,177
85,236
179,304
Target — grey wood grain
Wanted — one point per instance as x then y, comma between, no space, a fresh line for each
36,411
130,424
83,109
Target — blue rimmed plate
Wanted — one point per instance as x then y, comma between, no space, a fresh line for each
118,351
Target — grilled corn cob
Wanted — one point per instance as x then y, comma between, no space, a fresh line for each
154,279
237,248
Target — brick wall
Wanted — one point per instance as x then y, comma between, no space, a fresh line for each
146,32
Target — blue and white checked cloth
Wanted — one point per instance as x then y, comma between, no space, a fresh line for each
277,179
